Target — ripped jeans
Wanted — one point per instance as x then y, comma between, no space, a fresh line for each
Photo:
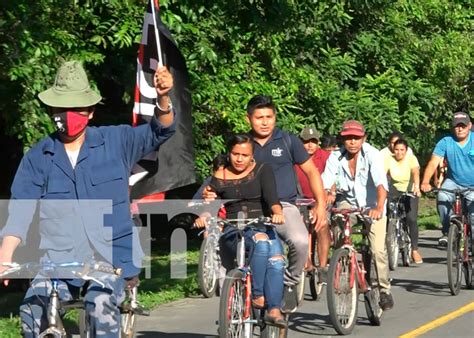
266,261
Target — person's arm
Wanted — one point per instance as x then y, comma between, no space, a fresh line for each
379,176
163,81
415,174
429,171
377,212
317,188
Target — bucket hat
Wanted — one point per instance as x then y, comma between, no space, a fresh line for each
71,88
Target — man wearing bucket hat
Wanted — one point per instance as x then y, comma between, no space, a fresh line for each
362,183
458,150
88,166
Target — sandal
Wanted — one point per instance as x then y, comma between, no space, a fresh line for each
258,303
276,321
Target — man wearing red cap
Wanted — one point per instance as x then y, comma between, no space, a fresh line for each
361,182
458,150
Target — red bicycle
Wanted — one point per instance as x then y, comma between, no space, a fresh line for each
237,317
459,256
348,275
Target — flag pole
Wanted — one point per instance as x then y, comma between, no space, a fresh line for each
157,34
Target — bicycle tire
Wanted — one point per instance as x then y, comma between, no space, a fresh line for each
372,297
84,331
340,295
468,265
128,323
208,273
300,288
454,259
391,241
271,331
313,286
232,306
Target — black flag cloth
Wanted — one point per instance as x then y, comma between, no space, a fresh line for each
172,166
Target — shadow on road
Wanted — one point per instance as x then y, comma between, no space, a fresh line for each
423,287
435,260
311,323
157,334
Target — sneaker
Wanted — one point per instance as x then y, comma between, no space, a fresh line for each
290,301
416,257
443,241
386,301
323,275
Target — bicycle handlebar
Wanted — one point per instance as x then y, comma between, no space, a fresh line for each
50,268
453,191
356,211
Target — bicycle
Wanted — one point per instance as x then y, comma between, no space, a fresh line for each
56,307
311,266
129,309
209,259
348,276
237,316
398,235
459,255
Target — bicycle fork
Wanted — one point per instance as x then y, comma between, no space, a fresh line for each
55,328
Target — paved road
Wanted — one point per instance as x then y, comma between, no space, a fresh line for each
421,295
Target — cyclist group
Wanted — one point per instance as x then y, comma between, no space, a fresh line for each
85,163
353,177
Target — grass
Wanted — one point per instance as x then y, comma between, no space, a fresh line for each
427,215
159,289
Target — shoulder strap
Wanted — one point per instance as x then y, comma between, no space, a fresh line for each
287,142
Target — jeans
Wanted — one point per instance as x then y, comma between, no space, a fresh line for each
266,262
446,200
268,267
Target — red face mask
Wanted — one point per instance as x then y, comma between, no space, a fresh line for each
70,123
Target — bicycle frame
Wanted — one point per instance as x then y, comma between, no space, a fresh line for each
460,219
357,267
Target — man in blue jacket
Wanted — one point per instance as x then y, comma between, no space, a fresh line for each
79,175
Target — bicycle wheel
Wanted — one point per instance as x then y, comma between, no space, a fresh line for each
300,288
83,324
208,271
467,266
454,259
372,297
391,241
270,331
341,296
314,288
232,307
128,324
405,247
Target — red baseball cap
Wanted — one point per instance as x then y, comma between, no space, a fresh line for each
352,127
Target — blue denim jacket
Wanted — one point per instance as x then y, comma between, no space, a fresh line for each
71,224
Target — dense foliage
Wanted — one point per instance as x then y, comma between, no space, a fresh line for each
403,64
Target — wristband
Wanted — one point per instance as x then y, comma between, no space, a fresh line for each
170,106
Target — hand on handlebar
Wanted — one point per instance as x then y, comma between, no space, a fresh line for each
426,187
319,217
278,219
200,222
